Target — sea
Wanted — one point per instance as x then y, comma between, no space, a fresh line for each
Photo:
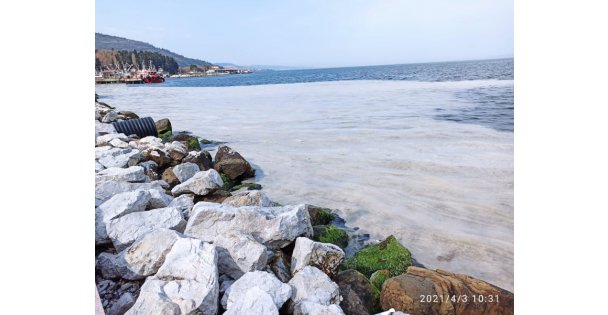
423,152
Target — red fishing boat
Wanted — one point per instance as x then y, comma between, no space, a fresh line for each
150,75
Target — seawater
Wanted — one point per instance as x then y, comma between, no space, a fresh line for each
429,161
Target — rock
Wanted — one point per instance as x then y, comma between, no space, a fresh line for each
184,203
106,139
200,158
377,278
202,183
119,143
106,189
132,174
318,215
186,283
114,266
159,199
388,254
148,253
191,142
249,198
118,157
266,282
169,177
327,257
238,253
111,116
280,266
149,165
176,150
275,227
99,167
150,143
124,203
231,163
313,285
126,115
101,235
306,307
122,305
253,302
185,171
331,234
403,293
102,128
163,126
125,230
357,293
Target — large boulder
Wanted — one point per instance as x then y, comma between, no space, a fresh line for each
148,253
202,183
403,294
267,282
132,174
176,151
231,163
186,283
169,177
388,254
184,203
122,305
159,199
357,293
125,230
104,190
313,285
118,157
327,257
249,198
319,215
106,139
163,125
112,266
185,171
124,203
239,253
110,117
103,128
200,158
275,227
306,307
254,302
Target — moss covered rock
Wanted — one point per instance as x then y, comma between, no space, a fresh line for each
319,216
250,186
331,234
388,254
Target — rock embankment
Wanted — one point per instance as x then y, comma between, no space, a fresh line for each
180,231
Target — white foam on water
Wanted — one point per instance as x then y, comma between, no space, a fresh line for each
370,149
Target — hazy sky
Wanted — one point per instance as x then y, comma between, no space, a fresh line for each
316,33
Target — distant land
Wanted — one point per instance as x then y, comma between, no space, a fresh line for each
107,42
257,67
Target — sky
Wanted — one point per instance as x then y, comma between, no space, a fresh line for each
316,33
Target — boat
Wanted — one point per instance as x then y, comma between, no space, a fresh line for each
150,75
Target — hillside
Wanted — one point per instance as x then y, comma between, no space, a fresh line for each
106,42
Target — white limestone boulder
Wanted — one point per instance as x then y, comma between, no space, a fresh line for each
202,183
125,230
132,174
184,203
314,285
239,253
253,302
186,283
249,198
279,292
185,171
327,257
274,227
148,253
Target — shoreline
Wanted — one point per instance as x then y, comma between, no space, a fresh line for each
123,161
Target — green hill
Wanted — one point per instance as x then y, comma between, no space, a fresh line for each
107,42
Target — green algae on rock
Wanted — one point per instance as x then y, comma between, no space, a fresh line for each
378,277
331,234
388,254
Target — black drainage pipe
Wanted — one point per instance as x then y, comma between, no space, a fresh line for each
142,127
